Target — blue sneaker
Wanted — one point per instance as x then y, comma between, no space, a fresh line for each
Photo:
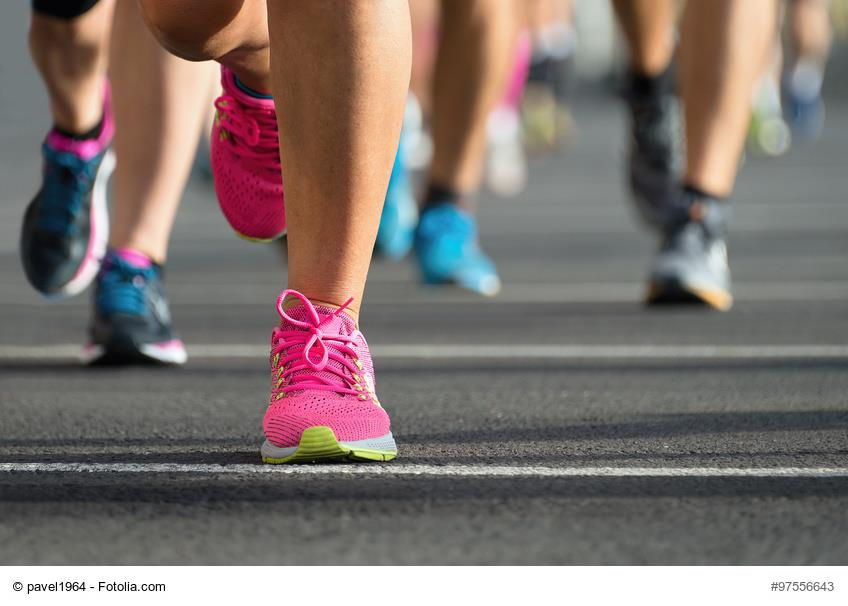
448,250
803,103
132,323
66,226
400,211
805,116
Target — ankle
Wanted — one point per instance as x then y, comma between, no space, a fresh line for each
249,90
82,135
654,83
134,257
78,113
438,194
351,309
695,189
253,79
131,250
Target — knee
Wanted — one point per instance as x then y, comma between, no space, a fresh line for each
48,32
57,39
192,29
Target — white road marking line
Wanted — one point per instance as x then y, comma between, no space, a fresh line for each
494,351
395,469
625,293
393,292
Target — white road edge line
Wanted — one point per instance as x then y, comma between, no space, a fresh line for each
494,351
394,469
386,294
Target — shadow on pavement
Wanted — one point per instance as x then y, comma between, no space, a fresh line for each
359,491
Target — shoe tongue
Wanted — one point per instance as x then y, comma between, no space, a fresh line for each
341,323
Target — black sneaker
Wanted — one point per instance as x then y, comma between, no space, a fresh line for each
656,147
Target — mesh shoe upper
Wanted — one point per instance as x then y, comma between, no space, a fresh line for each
65,226
693,251
246,162
448,250
130,306
321,375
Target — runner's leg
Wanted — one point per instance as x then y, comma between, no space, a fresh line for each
70,52
160,108
724,47
474,58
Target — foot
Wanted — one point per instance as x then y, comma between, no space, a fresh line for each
66,226
803,100
132,323
768,132
656,151
691,265
546,120
448,250
245,159
506,160
806,116
400,211
323,404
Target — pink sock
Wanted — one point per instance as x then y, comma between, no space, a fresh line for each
134,257
520,69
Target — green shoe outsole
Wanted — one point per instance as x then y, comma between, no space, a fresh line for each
319,445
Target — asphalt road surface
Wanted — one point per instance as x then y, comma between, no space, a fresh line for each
559,423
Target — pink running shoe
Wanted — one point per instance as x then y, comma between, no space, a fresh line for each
323,405
245,158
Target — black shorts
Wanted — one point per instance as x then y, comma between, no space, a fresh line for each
62,9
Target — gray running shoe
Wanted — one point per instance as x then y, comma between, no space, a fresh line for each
691,265
656,152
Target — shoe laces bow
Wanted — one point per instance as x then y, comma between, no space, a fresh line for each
252,130
305,356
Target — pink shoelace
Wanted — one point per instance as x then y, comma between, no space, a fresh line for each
294,354
253,131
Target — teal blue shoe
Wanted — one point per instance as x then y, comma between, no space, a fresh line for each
448,251
132,322
400,212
